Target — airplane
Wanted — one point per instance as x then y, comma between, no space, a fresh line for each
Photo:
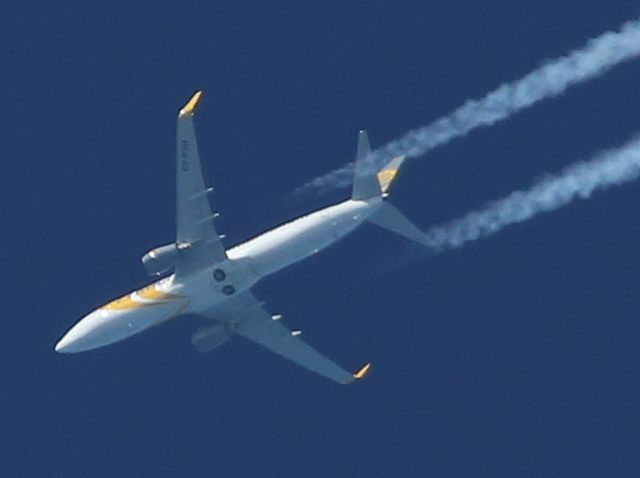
215,283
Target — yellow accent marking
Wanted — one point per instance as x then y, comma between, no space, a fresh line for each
385,177
151,293
361,373
191,105
124,303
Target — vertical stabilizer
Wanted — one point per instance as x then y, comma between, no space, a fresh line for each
365,180
387,174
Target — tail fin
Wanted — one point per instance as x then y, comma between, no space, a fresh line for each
367,182
387,174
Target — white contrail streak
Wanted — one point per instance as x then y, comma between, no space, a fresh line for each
578,181
599,55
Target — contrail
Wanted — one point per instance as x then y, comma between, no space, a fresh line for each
578,181
599,55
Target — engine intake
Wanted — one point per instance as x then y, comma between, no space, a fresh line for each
161,259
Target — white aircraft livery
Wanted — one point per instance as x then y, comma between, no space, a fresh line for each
213,282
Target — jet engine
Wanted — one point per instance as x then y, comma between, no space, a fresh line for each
160,260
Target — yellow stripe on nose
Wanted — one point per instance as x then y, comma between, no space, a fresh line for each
124,303
142,298
153,294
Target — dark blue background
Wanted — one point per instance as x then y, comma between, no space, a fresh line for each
514,356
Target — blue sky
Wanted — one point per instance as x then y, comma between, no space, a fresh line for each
513,356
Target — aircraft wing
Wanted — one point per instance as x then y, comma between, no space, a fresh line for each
250,320
196,234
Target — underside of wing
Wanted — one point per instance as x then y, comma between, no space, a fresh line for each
245,316
196,235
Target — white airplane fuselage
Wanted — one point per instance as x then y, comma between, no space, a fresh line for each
247,264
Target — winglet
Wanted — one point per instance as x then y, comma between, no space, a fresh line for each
191,105
361,372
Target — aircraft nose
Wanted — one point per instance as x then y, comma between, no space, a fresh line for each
78,337
60,346
65,345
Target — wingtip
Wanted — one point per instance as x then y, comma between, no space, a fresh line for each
361,372
191,105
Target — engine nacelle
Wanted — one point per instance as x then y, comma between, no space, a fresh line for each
160,260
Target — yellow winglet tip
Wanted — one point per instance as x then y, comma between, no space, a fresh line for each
362,371
191,105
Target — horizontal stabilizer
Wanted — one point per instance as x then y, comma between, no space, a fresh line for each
390,218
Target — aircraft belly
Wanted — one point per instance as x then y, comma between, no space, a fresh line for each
280,248
278,252
217,284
